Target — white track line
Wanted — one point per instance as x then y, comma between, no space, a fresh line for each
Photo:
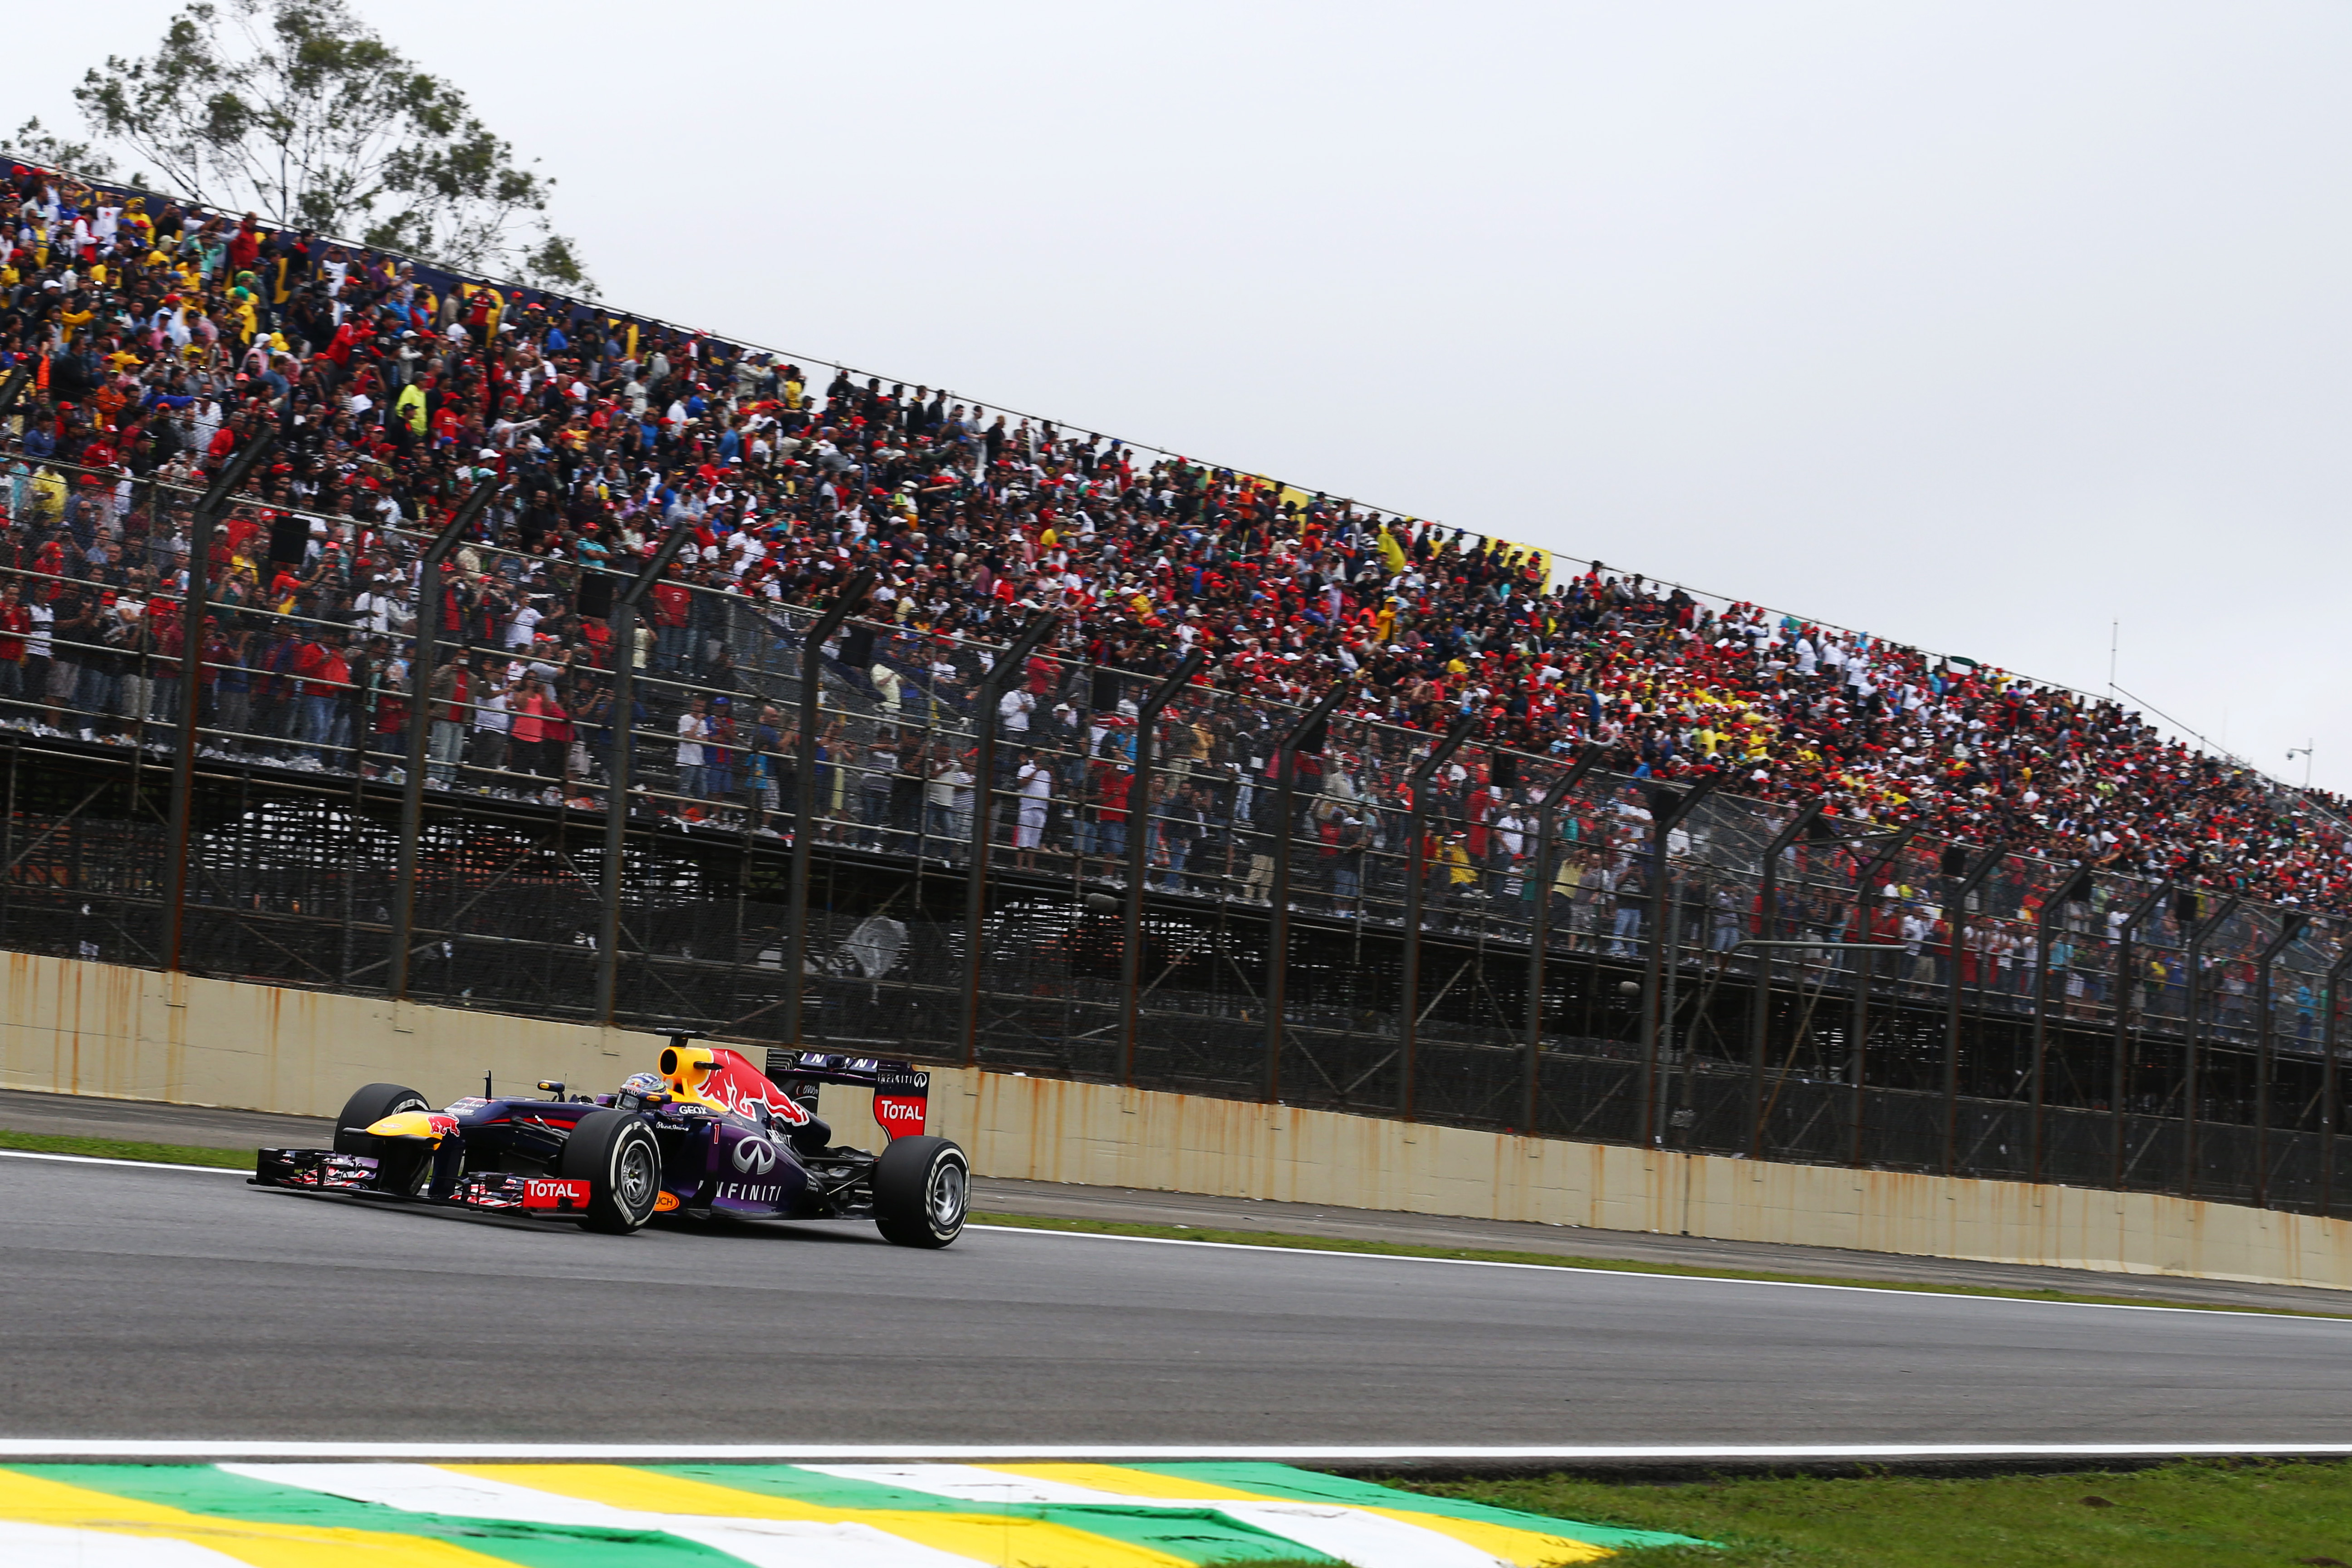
1928,1291
460,1452
1454,1262
135,1164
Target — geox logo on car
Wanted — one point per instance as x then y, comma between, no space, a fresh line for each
612,1162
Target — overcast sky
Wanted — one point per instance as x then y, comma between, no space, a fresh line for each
1981,327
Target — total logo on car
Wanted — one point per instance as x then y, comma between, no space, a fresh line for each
705,1136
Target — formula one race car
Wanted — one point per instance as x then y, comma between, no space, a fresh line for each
708,1135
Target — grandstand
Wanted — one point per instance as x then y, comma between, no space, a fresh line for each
1487,743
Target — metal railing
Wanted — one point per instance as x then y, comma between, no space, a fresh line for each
1259,901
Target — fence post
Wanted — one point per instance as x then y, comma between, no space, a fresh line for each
1865,970
1759,1012
2121,1067
625,745
1666,814
1416,881
2073,890
193,603
1278,967
1539,928
1001,674
422,661
2291,926
2327,1078
1138,829
1956,922
811,680
2200,932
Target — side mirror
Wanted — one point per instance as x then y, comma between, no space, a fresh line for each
553,1086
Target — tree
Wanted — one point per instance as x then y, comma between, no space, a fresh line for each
298,109
38,142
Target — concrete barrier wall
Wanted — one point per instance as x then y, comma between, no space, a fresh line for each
69,1027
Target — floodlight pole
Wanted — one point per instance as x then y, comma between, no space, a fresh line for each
1001,675
1539,928
2291,927
1956,922
1138,829
811,677
421,670
1415,885
2120,1069
2200,935
192,608
1759,1012
1865,972
1663,912
1277,965
623,623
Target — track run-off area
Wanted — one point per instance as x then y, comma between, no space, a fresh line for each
166,1310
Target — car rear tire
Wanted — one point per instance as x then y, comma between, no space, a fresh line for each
403,1164
616,1154
923,1187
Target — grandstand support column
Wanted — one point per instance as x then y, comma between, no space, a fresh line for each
811,678
1955,933
1139,862
1664,818
1001,675
420,663
1416,881
215,500
2201,932
2120,1068
1865,969
2075,889
616,787
2291,926
1539,928
2330,992
1767,933
1305,735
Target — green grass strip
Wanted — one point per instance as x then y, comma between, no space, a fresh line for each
126,1149
1284,1481
217,1494
1201,1535
1607,1265
2192,1514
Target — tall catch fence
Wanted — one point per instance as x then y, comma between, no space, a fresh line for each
1036,863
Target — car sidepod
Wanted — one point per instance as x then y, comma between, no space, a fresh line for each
754,1173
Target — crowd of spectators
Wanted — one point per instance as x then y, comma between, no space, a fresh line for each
162,338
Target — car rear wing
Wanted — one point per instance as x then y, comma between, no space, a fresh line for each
902,1091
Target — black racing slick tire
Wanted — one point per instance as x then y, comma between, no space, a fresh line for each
923,1187
403,1164
616,1154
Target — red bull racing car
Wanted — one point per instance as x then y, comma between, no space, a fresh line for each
708,1135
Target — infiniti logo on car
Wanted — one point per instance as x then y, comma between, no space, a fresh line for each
755,1155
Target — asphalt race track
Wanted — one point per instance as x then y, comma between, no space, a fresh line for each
163,1303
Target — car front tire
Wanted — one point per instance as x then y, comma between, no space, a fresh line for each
403,1164
616,1155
